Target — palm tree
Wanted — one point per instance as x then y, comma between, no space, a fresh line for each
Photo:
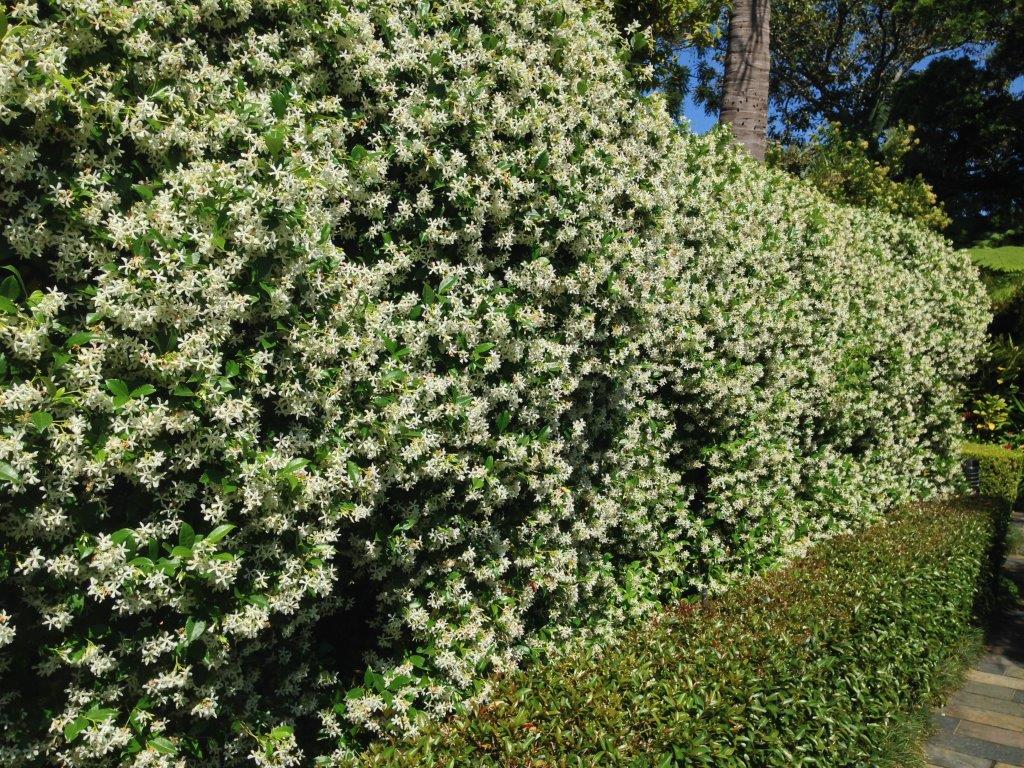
747,65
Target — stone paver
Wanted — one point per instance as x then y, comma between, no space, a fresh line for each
982,724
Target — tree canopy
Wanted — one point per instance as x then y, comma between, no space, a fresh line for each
971,143
843,60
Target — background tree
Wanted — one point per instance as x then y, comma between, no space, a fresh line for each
844,60
675,25
857,171
745,83
970,127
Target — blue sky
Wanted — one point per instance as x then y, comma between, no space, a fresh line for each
700,121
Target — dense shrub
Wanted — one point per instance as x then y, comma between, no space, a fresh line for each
848,169
817,664
405,338
999,470
996,402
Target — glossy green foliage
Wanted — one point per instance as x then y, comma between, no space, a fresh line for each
1000,468
817,664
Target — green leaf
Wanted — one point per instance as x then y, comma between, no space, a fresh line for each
194,630
144,191
99,715
7,306
16,275
504,418
118,388
274,139
429,297
7,473
481,349
123,535
294,466
358,153
144,564
279,103
142,391
183,553
220,532
80,338
75,727
10,287
42,420
66,84
542,161
163,745
281,732
186,535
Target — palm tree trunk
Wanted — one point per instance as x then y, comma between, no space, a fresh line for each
747,66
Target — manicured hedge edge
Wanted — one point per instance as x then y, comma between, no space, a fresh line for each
821,663
1000,468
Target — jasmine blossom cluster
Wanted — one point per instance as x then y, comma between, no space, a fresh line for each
354,351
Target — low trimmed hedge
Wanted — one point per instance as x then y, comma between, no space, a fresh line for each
817,664
1000,469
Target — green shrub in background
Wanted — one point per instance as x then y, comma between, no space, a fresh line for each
818,664
1002,272
354,351
1001,470
996,403
849,170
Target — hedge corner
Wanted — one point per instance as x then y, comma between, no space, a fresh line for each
999,469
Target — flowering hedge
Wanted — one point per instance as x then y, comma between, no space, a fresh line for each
354,350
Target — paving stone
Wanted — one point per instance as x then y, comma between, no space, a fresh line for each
987,703
1010,738
949,758
999,665
956,711
975,747
992,691
1001,681
943,722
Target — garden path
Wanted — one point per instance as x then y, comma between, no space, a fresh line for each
982,724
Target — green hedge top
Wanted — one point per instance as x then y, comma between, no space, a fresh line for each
1000,469
816,664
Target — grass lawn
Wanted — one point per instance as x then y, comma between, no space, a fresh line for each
1009,258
